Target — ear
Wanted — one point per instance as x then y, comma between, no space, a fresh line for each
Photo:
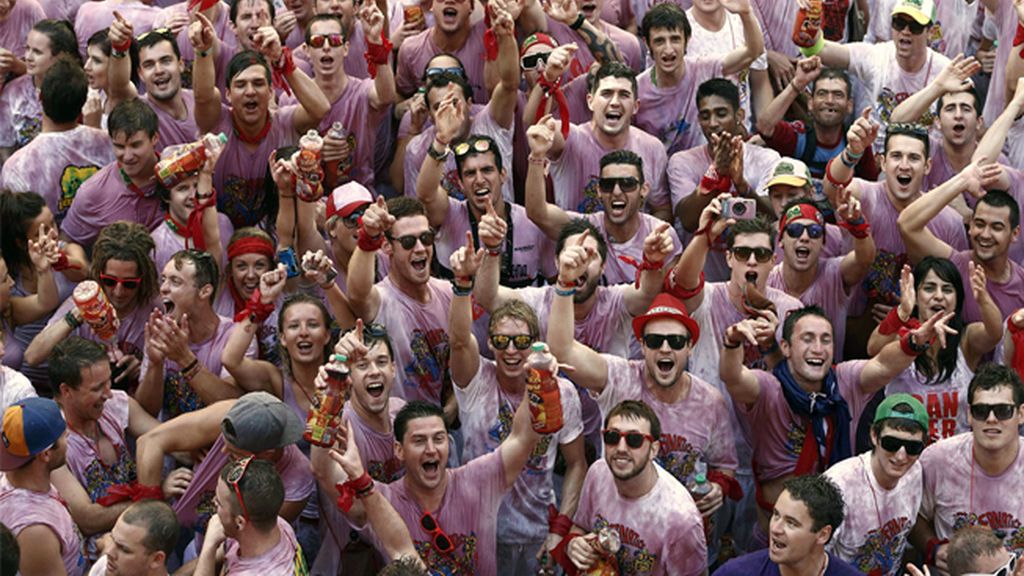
386,247
63,389
927,166
590,101
784,346
644,190
823,535
399,451
206,292
741,114
157,560
874,437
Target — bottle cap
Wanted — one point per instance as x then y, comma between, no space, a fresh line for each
700,478
537,347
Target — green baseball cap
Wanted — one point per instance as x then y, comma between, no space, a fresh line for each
887,409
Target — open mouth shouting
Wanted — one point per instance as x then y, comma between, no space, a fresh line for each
588,9
802,253
665,366
618,208
751,276
326,61
168,305
959,128
431,469
904,179
305,347
419,264
375,389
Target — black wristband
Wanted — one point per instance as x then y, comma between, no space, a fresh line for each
578,23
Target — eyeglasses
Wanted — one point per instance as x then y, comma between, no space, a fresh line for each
1006,569
235,477
796,230
477,144
352,220
893,444
317,40
112,281
900,24
533,61
627,184
1003,411
434,71
675,341
409,240
440,540
164,33
633,439
761,254
520,341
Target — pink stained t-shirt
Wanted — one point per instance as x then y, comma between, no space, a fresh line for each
605,329
691,429
172,130
179,397
23,15
945,401
21,508
778,433
828,291
240,175
1006,18
575,172
419,333
873,535
959,493
1008,296
21,113
284,558
56,164
83,458
532,253
416,51
486,412
661,532
95,16
617,271
468,514
670,113
105,198
168,242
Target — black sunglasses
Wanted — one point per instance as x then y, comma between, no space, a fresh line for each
530,61
520,341
761,254
796,230
441,541
627,184
633,439
439,70
893,444
900,24
409,240
675,341
1003,411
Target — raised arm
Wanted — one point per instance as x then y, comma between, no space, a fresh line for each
658,246
807,71
206,197
504,97
741,58
914,219
908,300
981,338
487,290
855,265
313,105
894,357
955,77
42,253
687,273
119,67
991,143
547,216
840,169
252,374
448,120
203,38
185,433
384,92
740,381
363,296
600,45
465,351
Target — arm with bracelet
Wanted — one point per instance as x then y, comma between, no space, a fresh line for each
650,273
686,280
363,296
807,71
855,265
464,349
549,217
839,170
58,329
913,220
251,374
448,121
895,357
119,67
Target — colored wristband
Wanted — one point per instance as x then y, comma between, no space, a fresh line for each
255,310
831,179
283,68
814,49
490,45
72,320
731,488
578,22
558,523
673,287
359,488
641,267
377,54
368,243
714,183
727,343
909,347
893,323
859,229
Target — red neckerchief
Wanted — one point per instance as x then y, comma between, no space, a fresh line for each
252,140
128,181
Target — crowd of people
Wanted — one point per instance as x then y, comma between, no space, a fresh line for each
598,287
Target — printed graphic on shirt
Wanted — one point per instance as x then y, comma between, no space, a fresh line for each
537,463
672,135
386,471
943,409
882,283
429,362
99,477
883,549
1004,525
461,561
26,128
677,456
633,556
591,202
452,185
888,101
71,179
241,201
179,397
935,40
795,440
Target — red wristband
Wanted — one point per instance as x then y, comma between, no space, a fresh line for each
132,491
831,179
560,554
908,346
368,243
490,45
731,488
255,310
63,263
377,54
713,182
859,230
283,68
558,523
358,488
677,290
892,323
641,266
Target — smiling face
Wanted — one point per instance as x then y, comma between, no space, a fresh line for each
304,333
990,232
86,402
135,153
96,67
750,270
249,95
250,16
182,198
958,119
935,296
411,265
791,535
990,433
894,465
802,253
160,71
627,463
905,165
482,182
667,47
511,362
451,16
665,366
424,451
830,102
622,207
327,59
371,379
717,116
246,270
122,297
613,104
809,351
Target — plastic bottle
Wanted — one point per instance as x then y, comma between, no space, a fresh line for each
187,158
700,486
96,309
412,12
542,390
324,417
309,186
807,25
608,544
337,171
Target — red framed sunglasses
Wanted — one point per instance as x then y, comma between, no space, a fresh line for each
235,477
112,281
442,543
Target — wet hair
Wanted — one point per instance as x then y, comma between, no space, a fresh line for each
579,226
159,521
942,368
132,116
991,376
722,88
206,268
233,12
294,300
131,242
17,210
666,16
626,156
636,410
492,149
61,34
442,80
975,99
10,552
834,74
823,499
614,70
241,62
325,18
411,411
967,545
515,309
1002,199
915,131
154,37
262,490
63,91
789,325
69,357
901,424
758,225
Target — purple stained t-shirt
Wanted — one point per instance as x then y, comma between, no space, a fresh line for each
416,51
618,271
106,198
686,168
284,558
174,131
95,16
486,412
828,291
691,429
670,113
874,531
661,532
21,508
83,457
959,493
21,113
1008,296
575,172
56,164
23,15
168,242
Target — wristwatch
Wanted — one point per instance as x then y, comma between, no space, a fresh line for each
440,156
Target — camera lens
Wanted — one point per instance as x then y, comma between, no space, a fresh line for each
739,208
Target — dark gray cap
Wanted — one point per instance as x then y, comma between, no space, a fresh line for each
259,421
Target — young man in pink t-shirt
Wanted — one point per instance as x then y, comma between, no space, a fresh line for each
630,501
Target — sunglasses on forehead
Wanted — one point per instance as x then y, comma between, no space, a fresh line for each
234,477
796,230
761,254
627,184
1005,570
633,439
164,33
532,61
675,341
1002,411
435,70
317,40
408,241
520,341
479,145
893,444
901,24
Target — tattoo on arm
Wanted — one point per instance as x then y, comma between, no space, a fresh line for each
603,49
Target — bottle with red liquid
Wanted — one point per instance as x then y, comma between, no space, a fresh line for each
324,416
542,390
186,159
807,25
96,309
607,544
309,186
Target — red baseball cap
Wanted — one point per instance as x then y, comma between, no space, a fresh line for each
666,306
347,198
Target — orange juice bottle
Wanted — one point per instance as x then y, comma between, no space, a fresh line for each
323,419
542,390
807,25
96,309
186,159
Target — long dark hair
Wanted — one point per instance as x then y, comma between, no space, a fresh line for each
17,210
942,368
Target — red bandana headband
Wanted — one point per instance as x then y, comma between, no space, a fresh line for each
251,245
